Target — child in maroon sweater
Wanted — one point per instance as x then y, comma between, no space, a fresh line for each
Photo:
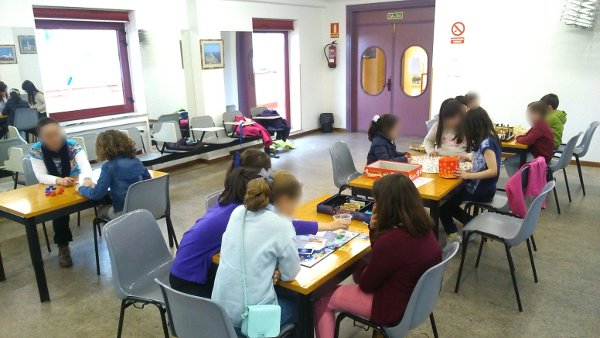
539,138
403,247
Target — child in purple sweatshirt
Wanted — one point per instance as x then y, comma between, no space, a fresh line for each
192,271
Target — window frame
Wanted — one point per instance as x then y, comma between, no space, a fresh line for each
119,27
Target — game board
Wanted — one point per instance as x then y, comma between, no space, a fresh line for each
313,248
430,164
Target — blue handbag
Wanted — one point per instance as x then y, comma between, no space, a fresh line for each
257,320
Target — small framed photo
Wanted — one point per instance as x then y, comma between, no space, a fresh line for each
212,54
8,54
27,44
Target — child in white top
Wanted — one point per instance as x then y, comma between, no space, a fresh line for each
445,138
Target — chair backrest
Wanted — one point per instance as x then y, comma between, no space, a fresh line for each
229,116
137,250
257,110
213,198
204,121
136,136
89,145
166,132
5,145
15,157
26,118
191,315
174,117
584,145
13,132
529,223
30,178
151,195
425,295
567,154
429,124
342,163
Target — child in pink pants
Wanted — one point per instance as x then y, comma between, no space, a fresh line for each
346,298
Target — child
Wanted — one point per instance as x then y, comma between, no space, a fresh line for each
251,158
444,138
192,271
483,141
403,247
12,104
382,133
54,159
556,118
121,170
539,138
472,100
270,251
34,96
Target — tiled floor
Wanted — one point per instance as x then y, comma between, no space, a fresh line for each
565,302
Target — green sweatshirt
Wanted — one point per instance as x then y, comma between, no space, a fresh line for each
557,119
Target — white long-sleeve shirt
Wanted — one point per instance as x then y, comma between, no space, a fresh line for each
79,164
449,146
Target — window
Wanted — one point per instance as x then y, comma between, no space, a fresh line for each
270,70
373,71
84,65
414,71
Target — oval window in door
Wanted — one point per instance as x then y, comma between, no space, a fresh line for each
414,71
373,71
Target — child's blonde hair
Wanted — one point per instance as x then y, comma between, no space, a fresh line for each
260,193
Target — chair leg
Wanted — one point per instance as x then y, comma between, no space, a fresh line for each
567,184
79,219
479,253
46,236
535,277
96,225
580,174
16,178
556,198
124,306
514,278
338,321
171,232
533,243
462,261
433,327
163,319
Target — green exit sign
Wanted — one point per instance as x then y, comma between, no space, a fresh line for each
395,16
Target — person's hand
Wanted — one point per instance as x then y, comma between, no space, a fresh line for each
432,153
87,182
466,157
462,174
373,222
65,181
276,275
335,225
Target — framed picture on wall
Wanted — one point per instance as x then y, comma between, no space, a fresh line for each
8,54
27,44
212,54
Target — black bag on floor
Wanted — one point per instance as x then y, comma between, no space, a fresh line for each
183,145
326,122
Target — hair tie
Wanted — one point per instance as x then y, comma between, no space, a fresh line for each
267,175
376,118
15,90
237,161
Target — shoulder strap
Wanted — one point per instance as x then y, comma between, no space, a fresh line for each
243,261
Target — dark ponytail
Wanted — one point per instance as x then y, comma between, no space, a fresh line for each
382,124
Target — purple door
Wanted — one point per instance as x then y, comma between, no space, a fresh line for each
405,42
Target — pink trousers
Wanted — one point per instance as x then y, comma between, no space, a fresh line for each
346,298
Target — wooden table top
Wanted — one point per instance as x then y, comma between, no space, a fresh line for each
32,201
309,279
435,190
513,144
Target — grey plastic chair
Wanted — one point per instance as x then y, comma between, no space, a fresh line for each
429,124
5,145
206,121
190,315
30,179
561,163
90,145
511,231
257,110
582,148
213,198
140,147
230,116
25,120
342,162
151,195
138,255
422,301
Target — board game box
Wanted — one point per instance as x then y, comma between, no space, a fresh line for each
381,168
359,208
314,248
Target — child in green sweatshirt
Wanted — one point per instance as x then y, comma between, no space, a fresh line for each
556,118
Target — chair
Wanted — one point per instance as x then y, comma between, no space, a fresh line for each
422,301
213,198
151,195
582,148
166,132
30,179
138,255
6,145
16,154
230,117
218,137
429,124
561,163
342,162
13,132
25,120
89,145
140,147
511,231
257,110
189,315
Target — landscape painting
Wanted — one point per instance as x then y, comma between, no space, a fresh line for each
212,54
27,44
8,54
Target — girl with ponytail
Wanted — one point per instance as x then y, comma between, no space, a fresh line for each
382,133
270,252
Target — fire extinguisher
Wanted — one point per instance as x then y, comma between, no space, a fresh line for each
330,52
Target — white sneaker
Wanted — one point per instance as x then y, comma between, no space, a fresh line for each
455,237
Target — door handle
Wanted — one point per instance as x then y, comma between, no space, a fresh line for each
389,84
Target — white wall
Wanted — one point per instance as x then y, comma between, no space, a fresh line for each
230,71
514,52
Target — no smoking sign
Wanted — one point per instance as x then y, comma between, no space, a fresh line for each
457,29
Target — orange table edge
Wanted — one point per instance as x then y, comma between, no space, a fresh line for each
435,190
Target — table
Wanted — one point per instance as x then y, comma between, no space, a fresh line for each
312,283
205,130
30,206
246,123
266,117
434,193
513,147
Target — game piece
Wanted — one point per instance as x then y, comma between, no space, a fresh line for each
53,193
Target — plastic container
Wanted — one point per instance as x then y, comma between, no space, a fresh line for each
447,167
379,169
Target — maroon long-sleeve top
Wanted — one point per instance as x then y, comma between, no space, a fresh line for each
540,140
397,262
